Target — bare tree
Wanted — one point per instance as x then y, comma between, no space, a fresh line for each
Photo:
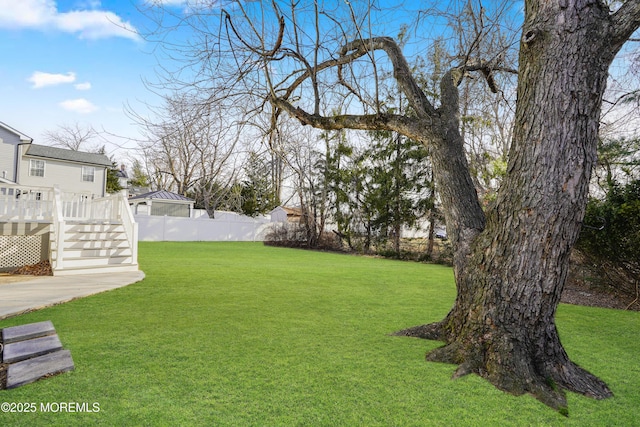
510,262
218,162
72,136
191,149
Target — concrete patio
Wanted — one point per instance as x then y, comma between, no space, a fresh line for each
21,294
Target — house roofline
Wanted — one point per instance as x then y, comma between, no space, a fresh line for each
25,138
65,155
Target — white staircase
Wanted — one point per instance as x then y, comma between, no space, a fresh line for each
93,248
86,234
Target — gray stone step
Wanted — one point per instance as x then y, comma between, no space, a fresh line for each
30,370
26,332
21,350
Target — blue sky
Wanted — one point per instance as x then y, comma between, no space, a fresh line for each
73,61
69,62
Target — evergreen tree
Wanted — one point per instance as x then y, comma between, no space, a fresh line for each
138,176
113,183
258,193
403,191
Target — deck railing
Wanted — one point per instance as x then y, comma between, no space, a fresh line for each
41,204
56,249
23,203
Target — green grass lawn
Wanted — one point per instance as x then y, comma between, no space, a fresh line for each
238,334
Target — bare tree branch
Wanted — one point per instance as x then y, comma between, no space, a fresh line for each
625,21
72,136
418,130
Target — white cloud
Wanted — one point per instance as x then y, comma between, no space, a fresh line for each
40,79
79,105
26,13
44,14
91,4
95,24
194,5
169,2
83,86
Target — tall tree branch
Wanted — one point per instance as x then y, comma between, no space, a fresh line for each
401,71
410,127
626,21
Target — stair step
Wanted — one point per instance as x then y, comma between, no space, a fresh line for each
84,262
93,228
91,236
115,268
21,350
96,244
26,332
97,253
30,370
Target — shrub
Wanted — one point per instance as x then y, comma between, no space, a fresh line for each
610,237
294,235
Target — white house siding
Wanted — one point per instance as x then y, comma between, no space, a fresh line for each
8,143
67,175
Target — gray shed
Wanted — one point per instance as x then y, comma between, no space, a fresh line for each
161,203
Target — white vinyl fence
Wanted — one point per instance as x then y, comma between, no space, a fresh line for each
227,228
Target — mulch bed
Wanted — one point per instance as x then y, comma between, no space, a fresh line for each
43,268
3,370
3,375
581,294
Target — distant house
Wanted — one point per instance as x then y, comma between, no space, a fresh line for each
25,163
123,176
10,141
160,203
278,214
294,214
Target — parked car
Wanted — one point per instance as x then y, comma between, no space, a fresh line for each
441,234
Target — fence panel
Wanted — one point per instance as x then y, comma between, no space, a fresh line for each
165,228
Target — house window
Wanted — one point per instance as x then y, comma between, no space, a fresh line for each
88,173
36,167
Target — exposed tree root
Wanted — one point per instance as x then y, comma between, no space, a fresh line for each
511,366
432,331
572,377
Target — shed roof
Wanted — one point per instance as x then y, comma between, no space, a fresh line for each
46,152
293,211
162,195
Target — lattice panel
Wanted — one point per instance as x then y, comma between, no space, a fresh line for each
16,251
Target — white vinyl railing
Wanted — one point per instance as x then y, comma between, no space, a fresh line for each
130,225
22,203
57,228
81,207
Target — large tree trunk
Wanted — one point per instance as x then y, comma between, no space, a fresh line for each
511,275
